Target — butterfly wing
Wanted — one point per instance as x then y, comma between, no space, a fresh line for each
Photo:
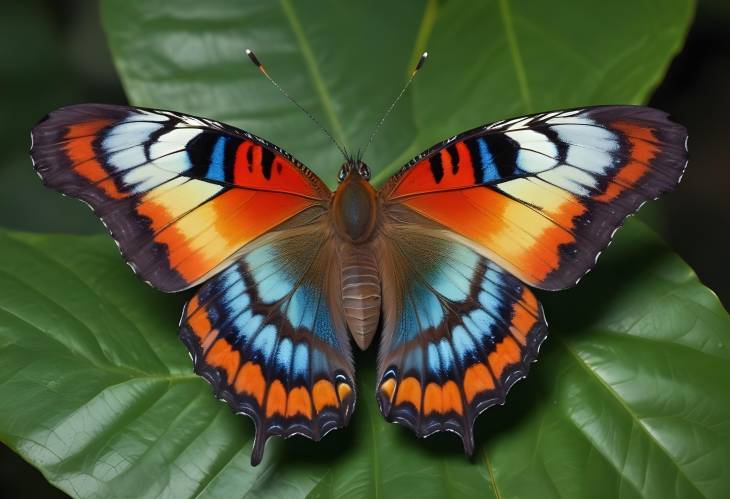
268,337
542,195
458,331
188,198
180,195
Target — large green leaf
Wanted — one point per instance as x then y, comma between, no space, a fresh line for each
36,79
345,61
629,398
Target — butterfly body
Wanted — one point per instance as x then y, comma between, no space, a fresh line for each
438,262
355,205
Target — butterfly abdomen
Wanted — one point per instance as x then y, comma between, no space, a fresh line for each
360,281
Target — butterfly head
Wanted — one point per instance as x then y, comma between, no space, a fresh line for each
353,166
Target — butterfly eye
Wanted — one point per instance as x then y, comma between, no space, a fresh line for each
364,171
343,173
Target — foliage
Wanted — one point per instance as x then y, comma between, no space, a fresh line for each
629,397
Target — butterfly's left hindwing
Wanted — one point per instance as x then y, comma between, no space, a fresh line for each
180,194
266,336
458,332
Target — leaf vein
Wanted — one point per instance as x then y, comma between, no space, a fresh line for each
514,49
313,70
635,418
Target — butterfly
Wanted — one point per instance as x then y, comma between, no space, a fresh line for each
440,261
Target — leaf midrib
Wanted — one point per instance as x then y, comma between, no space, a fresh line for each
516,55
313,70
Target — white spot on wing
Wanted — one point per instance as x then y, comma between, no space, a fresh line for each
148,177
570,179
533,162
127,134
587,135
537,152
533,140
174,140
589,159
127,158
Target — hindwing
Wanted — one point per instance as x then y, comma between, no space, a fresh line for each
269,338
458,332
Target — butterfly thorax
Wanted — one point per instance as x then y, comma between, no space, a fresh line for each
354,205
354,213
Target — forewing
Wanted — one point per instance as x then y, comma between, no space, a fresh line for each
458,332
180,195
269,338
542,195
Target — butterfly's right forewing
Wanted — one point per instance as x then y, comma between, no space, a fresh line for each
193,201
180,194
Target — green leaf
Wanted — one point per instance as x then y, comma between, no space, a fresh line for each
629,397
346,61
27,72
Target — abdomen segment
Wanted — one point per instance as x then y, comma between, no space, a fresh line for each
360,292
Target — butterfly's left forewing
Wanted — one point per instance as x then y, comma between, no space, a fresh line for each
542,195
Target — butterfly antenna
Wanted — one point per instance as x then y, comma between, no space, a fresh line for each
258,64
419,65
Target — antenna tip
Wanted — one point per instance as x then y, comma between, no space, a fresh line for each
423,58
253,57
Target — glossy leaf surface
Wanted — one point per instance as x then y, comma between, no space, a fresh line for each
628,399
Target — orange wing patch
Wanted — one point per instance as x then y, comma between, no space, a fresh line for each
276,399
180,194
323,395
80,150
452,169
409,391
281,175
224,357
477,379
542,195
643,150
299,403
204,228
251,381
522,239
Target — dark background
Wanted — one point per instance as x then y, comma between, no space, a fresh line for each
54,54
